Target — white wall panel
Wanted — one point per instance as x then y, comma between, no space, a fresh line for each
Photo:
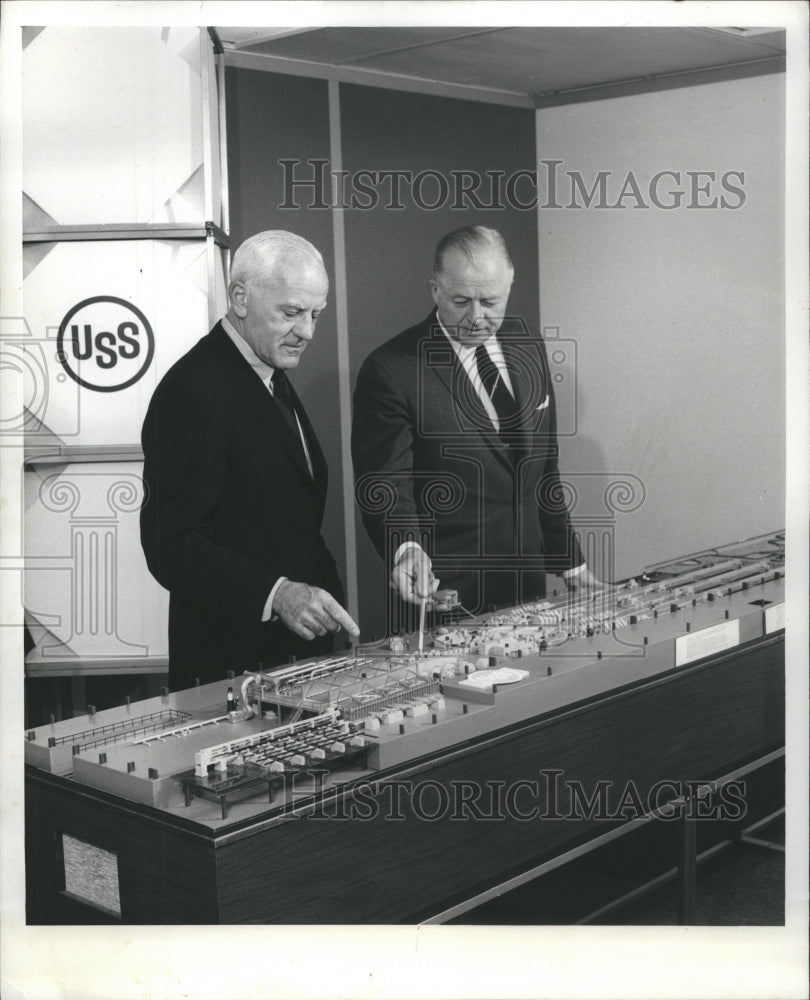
167,281
88,592
122,275
114,125
677,313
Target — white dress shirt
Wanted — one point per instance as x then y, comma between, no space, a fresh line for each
466,356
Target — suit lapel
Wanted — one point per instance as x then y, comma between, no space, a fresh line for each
449,379
436,356
316,455
254,395
529,378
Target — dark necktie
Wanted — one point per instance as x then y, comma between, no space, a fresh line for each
283,396
495,387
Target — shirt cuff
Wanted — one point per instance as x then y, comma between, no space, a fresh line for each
267,614
404,548
569,574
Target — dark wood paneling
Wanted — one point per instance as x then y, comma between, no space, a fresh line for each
165,875
572,892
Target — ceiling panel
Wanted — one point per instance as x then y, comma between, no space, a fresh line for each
525,61
338,46
530,60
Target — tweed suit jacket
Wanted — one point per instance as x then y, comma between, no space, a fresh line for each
430,465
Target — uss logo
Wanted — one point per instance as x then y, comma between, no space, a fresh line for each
105,343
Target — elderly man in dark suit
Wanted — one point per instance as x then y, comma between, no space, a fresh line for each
454,442
236,481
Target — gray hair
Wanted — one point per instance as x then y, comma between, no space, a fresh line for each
261,255
470,241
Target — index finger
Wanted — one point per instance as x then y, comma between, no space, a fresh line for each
423,581
341,616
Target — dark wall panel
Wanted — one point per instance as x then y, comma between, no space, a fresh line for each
270,118
389,250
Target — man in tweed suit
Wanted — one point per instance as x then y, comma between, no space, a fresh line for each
455,422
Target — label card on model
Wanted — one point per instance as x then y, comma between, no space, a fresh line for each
775,618
716,638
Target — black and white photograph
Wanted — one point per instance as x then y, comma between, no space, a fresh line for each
404,499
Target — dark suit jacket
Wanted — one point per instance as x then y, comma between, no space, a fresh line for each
428,460
229,507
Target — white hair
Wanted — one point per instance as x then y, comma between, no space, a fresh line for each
261,255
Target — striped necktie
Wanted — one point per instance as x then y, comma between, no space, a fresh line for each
501,398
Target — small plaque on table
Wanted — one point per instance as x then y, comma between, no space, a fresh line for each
696,645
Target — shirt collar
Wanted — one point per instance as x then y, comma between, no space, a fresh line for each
465,351
262,369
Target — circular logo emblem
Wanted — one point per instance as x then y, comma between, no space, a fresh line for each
105,343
